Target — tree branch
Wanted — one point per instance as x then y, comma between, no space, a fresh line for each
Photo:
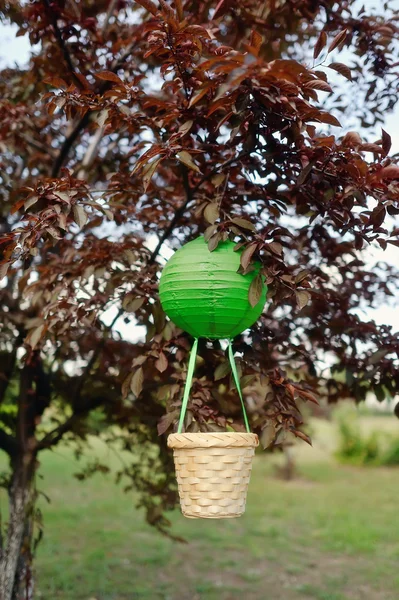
83,121
68,143
189,197
96,354
110,10
61,43
25,427
91,152
37,145
55,436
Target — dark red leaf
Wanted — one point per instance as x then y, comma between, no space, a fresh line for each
341,69
222,370
318,84
304,174
148,5
302,298
386,142
390,172
338,41
166,421
329,119
255,290
161,363
247,254
214,242
302,435
243,223
320,44
108,76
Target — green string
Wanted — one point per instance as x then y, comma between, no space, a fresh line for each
187,387
237,382
191,365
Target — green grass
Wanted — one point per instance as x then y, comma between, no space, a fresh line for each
331,534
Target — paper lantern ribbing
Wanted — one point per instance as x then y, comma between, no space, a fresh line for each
203,294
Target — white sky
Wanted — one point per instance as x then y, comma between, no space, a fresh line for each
16,50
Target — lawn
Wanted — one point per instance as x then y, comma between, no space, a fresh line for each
332,534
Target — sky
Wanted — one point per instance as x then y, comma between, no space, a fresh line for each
16,50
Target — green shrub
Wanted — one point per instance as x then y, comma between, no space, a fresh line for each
391,456
357,448
354,447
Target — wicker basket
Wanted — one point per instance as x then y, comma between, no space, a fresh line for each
213,471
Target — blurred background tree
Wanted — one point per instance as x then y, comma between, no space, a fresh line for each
136,127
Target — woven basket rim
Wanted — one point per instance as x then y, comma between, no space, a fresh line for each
212,439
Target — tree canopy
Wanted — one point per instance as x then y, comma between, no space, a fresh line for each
138,126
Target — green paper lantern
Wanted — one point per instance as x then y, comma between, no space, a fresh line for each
203,294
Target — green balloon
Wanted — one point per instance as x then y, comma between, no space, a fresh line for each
203,294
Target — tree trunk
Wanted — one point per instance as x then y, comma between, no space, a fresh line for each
289,469
15,580
24,581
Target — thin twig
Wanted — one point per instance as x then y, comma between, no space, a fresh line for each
221,194
96,353
189,196
68,143
110,10
62,44
37,145
53,437
91,152
83,121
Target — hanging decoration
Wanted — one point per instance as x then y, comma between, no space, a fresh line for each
202,293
